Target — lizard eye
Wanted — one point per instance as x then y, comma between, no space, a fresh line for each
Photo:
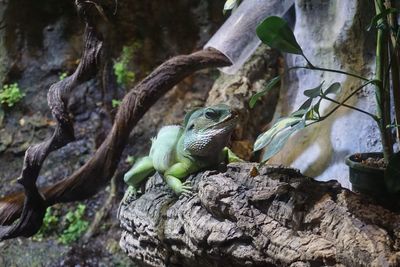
210,114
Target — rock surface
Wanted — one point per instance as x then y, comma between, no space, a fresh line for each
270,216
236,91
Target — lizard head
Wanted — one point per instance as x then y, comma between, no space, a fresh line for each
208,130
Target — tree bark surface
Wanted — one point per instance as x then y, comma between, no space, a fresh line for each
250,216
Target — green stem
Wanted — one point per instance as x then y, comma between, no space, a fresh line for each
309,64
343,102
312,67
381,87
350,107
394,63
341,72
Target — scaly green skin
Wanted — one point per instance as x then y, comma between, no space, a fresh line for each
179,151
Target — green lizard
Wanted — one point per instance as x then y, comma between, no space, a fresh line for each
179,151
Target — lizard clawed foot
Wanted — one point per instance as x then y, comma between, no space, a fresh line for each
130,195
232,157
187,189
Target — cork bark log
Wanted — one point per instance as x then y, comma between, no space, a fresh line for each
270,216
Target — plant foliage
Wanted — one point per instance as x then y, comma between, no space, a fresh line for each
10,94
63,75
49,226
230,5
275,138
121,66
116,103
276,33
271,85
76,225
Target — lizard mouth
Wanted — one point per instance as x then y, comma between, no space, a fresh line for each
228,122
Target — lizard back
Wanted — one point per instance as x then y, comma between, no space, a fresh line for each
163,148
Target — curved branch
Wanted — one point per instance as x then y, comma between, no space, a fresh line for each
92,176
34,205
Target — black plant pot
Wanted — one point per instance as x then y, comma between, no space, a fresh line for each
366,179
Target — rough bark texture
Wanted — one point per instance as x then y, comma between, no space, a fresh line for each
273,216
236,91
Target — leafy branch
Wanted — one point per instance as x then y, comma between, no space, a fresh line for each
276,33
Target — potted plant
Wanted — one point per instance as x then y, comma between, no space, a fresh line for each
375,174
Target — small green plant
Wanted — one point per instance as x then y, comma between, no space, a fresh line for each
70,230
49,226
116,103
124,76
76,225
276,33
63,75
10,94
121,66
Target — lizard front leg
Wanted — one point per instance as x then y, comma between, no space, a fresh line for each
230,156
177,172
142,169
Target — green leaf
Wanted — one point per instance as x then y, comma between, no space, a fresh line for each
315,108
229,5
116,103
271,84
302,109
314,92
76,225
313,114
10,94
265,138
276,33
280,140
392,174
375,20
299,113
389,126
332,89
306,104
